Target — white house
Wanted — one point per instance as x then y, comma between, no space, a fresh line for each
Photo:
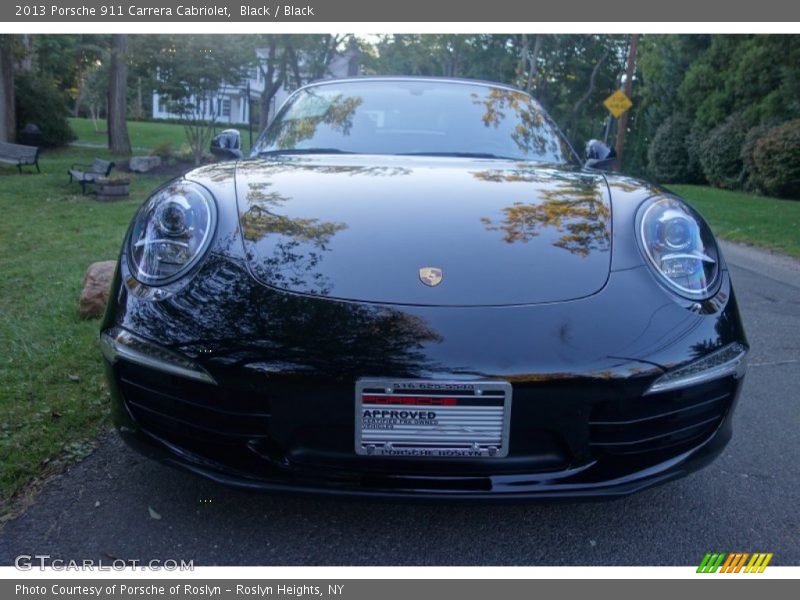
232,106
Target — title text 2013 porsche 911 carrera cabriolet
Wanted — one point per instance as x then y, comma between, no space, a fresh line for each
412,287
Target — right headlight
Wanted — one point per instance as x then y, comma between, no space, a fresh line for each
171,232
679,247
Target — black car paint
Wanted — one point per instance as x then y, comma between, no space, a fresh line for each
495,229
305,352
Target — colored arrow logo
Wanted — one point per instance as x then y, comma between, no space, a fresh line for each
734,562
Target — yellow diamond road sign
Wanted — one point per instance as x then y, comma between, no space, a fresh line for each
617,103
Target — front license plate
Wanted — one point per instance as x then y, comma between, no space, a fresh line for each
434,419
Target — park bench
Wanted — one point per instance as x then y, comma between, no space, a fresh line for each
18,155
88,174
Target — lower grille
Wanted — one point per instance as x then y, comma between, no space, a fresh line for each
659,421
306,427
169,406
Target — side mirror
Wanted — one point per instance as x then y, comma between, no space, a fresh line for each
599,156
227,144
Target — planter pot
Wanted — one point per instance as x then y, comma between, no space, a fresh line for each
112,189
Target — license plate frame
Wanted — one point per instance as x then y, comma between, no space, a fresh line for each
434,418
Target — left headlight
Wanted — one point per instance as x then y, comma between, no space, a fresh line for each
171,232
679,246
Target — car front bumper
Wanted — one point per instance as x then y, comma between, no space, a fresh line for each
565,443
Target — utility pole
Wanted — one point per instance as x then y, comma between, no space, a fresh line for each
622,125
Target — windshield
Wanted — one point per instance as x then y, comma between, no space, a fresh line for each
415,117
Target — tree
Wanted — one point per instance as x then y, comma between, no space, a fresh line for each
529,62
193,73
64,59
660,70
310,56
10,50
145,54
272,65
40,102
478,56
118,140
94,95
296,61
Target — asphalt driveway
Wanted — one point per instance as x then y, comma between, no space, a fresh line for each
117,504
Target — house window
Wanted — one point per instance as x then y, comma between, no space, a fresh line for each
224,107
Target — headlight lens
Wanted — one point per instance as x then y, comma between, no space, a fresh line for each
171,232
679,246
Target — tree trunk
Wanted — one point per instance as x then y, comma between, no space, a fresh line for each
273,79
294,63
93,116
530,61
139,99
26,62
265,101
76,107
7,108
118,140
622,126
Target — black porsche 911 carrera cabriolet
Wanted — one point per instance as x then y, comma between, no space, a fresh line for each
412,287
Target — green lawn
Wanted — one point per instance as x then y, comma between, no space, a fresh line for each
740,217
145,135
53,401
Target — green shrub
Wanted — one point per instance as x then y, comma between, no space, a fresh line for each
39,101
670,157
693,147
720,153
186,154
163,150
749,175
777,160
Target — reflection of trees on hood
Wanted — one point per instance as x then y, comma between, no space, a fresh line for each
226,316
572,206
628,185
221,172
297,243
270,167
532,134
286,251
338,116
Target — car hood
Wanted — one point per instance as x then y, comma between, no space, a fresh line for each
362,227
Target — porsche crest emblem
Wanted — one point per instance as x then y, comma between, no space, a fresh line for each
430,276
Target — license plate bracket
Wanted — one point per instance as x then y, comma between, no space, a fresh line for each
410,418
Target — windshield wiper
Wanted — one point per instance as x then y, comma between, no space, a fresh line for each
303,151
462,155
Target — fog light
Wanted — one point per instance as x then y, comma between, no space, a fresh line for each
729,360
117,343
